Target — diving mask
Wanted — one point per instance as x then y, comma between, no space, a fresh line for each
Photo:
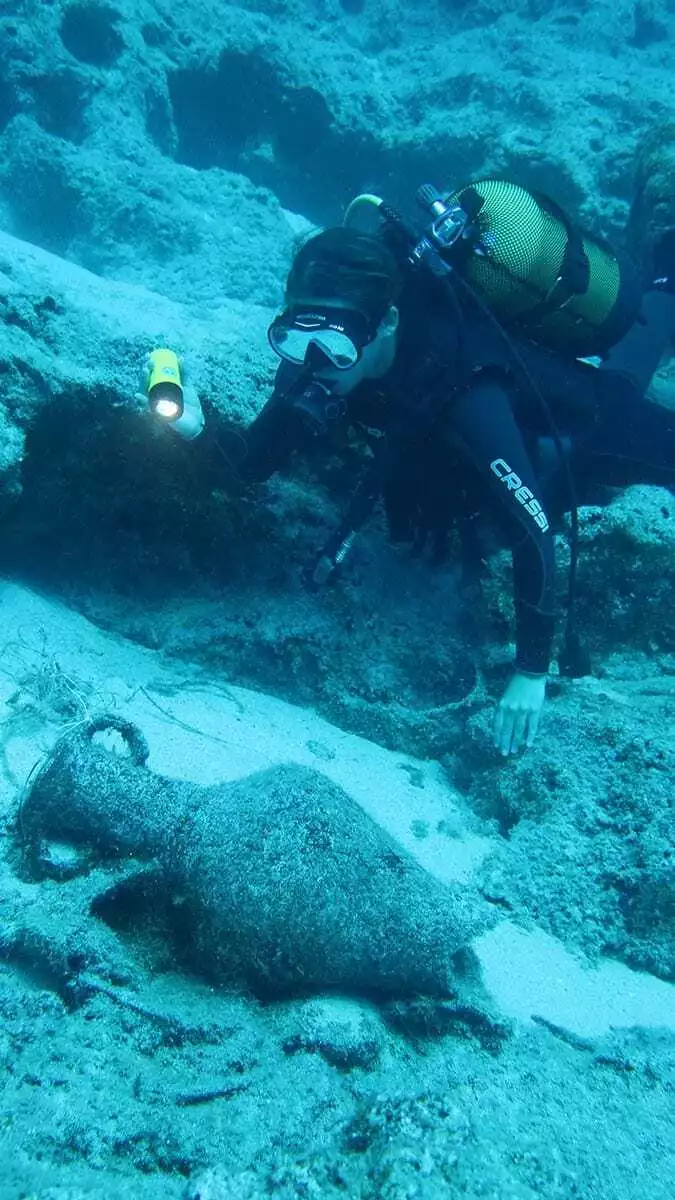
338,334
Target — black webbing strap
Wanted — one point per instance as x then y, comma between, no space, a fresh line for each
575,269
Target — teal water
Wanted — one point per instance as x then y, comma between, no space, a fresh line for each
327,942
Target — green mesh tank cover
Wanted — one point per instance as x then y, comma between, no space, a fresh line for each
524,245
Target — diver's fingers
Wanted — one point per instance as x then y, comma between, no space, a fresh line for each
497,727
520,724
532,727
506,732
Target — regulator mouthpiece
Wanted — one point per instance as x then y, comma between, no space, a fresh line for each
318,407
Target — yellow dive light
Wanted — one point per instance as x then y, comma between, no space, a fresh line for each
164,385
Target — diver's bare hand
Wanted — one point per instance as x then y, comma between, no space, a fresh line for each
518,713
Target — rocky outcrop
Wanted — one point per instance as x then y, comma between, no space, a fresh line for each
151,140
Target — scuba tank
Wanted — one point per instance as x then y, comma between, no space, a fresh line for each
535,269
525,260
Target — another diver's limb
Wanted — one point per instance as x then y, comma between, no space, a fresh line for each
640,351
632,442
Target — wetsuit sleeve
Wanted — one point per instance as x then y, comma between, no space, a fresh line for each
269,441
484,420
266,445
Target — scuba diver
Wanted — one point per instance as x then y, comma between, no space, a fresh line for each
495,362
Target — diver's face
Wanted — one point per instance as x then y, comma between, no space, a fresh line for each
375,359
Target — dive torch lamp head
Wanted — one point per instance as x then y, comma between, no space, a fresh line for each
164,385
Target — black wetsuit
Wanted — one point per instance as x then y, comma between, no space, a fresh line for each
466,432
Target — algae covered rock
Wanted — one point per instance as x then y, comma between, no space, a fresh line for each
653,209
343,1031
626,570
